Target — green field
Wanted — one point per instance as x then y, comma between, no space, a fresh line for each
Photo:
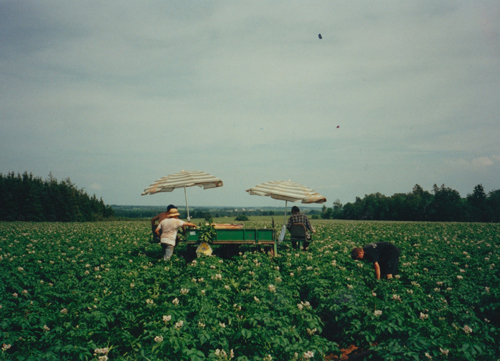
97,291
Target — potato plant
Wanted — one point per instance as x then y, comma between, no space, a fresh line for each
100,291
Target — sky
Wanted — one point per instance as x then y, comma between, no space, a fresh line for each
115,95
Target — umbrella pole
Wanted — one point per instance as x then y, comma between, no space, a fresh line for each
284,220
283,228
187,207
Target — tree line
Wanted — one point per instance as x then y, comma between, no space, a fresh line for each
443,204
28,198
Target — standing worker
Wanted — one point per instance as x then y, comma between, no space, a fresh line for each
169,227
157,220
383,255
160,217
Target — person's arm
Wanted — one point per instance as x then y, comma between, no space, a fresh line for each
157,230
189,224
309,226
153,220
289,224
376,266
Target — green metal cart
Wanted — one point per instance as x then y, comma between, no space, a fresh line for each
260,236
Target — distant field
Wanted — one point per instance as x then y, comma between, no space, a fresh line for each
252,220
86,291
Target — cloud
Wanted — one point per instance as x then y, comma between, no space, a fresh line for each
482,162
246,91
479,163
95,187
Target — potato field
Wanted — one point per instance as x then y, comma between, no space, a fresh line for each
99,291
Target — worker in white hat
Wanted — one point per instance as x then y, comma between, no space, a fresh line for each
168,230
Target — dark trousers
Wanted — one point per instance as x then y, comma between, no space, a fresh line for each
305,244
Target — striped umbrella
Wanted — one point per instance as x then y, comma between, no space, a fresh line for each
287,191
183,180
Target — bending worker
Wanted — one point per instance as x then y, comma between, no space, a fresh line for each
383,255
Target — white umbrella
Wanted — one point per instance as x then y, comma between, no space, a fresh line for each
183,180
287,191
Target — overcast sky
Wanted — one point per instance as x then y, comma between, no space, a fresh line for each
115,95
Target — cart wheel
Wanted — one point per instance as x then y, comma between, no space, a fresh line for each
191,252
229,250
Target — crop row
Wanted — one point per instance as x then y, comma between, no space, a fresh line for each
99,291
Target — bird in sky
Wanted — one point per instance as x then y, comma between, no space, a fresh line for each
319,36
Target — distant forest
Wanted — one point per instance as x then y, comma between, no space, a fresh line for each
27,198
443,204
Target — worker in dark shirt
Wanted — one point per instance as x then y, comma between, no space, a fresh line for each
298,217
383,255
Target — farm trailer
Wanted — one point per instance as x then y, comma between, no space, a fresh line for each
253,236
